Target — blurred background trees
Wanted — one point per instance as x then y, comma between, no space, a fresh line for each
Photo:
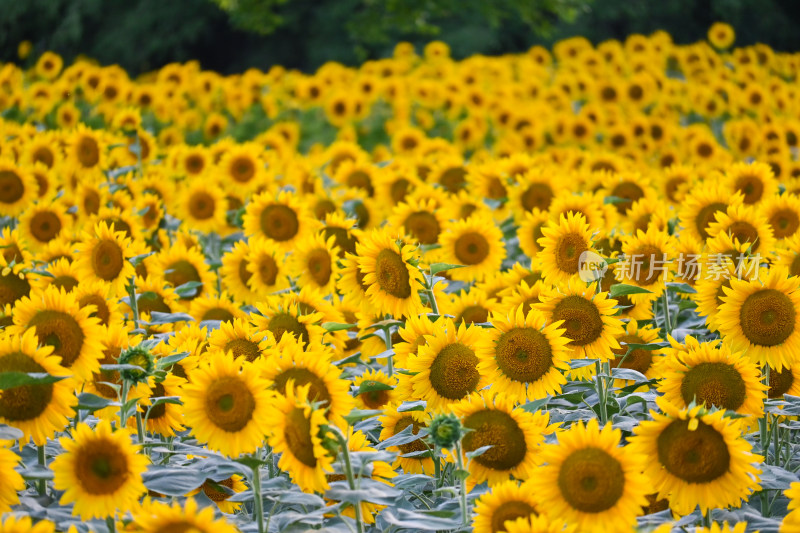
232,35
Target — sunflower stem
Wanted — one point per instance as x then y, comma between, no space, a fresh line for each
462,485
348,470
258,500
111,524
387,337
41,485
134,305
437,466
123,401
667,317
600,387
763,424
139,427
432,296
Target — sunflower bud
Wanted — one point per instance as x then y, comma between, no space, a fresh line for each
138,356
446,431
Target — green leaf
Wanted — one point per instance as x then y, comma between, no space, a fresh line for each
536,405
620,289
188,289
10,380
418,405
336,326
372,386
463,474
683,288
356,415
92,402
441,267
649,346
168,361
615,200
478,452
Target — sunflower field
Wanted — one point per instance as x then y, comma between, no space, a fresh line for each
556,291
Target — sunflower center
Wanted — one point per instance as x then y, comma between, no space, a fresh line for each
706,216
498,429
317,392
213,489
283,322
473,314
243,348
409,447
65,282
650,258
628,190
62,332
568,252
244,274
44,226
202,205
181,272
496,190
361,180
639,359
453,179
12,187
194,164
101,467
107,260
267,270
591,480
423,226
318,263
392,274
297,433
26,402
471,248
147,302
399,189
714,384
88,152
537,196
744,232
345,241
751,187
767,317
229,404
780,382
454,372
217,313
698,456
581,318
523,354
784,222
242,169
510,510
279,222
159,410
12,288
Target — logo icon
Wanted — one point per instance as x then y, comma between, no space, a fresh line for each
591,266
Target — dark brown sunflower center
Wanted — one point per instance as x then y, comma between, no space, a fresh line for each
26,402
317,392
498,429
569,248
100,379
651,260
202,205
473,314
217,313
12,188
537,196
344,240
714,384
45,226
784,223
471,248
423,226
751,187
101,467
360,180
392,274
279,222
159,410
297,433
496,190
215,491
267,270
510,510
409,447
62,332
639,359
107,260
12,288
454,372
698,456
147,302
453,179
523,354
591,480
399,189
284,322
319,266
181,272
101,307
229,404
375,399
780,382
244,274
243,348
654,505
88,152
582,320
242,169
706,215
194,164
628,190
767,317
744,232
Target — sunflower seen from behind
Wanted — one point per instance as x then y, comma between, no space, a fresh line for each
590,481
100,471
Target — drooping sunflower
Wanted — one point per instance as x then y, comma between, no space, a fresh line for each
15,282
447,365
39,410
761,318
710,374
598,485
296,435
563,244
241,339
100,471
219,491
60,322
393,421
412,335
477,244
18,188
158,517
393,282
523,356
697,457
281,219
201,205
588,317
350,284
226,403
506,501
104,255
513,434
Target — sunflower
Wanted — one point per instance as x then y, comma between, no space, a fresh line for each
87,148
226,404
11,483
421,220
701,208
523,356
280,219
754,181
344,232
506,501
712,375
100,471
446,366
315,262
296,435
107,383
59,321
23,524
543,524
220,491
311,366
642,360
41,223
588,317
103,255
218,307
647,259
697,458
760,316
413,334
530,231
409,458
242,167
513,434
745,224
152,294
393,281
14,282
791,522
201,205
235,274
476,243
563,244
165,419
283,314
380,389
534,189
181,264
159,517
783,215
721,35
18,188
13,246
241,339
471,307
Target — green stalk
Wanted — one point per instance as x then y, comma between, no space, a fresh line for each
431,296
348,470
139,427
41,485
601,392
111,524
387,333
463,486
123,399
667,318
258,500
